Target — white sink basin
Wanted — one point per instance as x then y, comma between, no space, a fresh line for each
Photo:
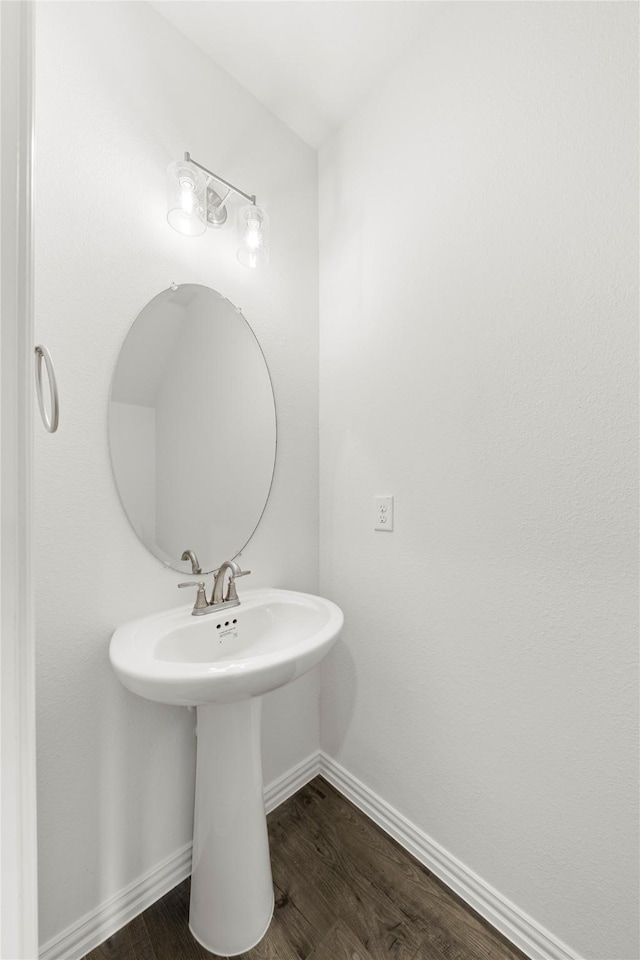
270,639
222,663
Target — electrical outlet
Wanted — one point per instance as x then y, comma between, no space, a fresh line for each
383,515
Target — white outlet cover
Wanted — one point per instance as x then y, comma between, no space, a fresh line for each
383,513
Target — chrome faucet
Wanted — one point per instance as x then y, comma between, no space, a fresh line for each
203,606
231,598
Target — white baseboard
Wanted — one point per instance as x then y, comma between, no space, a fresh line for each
290,782
94,928
536,942
510,920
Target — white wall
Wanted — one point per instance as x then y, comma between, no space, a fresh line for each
119,95
478,242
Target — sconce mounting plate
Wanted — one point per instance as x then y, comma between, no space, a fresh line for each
216,212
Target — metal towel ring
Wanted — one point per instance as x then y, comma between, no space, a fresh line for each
50,421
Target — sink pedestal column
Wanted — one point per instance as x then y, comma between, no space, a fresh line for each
231,885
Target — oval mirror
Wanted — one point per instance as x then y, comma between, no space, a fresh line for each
192,427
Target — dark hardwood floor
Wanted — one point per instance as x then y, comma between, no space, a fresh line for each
344,891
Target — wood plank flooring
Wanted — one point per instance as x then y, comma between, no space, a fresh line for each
344,891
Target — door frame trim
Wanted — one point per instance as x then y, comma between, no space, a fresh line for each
18,824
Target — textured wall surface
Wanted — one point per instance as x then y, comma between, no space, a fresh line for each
120,94
478,311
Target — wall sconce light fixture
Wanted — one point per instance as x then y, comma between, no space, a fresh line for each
194,205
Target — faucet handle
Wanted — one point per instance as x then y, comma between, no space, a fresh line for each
201,600
232,593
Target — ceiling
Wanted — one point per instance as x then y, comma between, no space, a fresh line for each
310,62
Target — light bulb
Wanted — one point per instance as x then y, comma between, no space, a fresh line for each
185,196
253,236
188,199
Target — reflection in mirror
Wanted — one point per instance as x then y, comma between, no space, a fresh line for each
192,427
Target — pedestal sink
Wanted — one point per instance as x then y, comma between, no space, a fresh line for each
222,663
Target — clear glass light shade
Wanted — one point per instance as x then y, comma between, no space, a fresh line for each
253,236
186,187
